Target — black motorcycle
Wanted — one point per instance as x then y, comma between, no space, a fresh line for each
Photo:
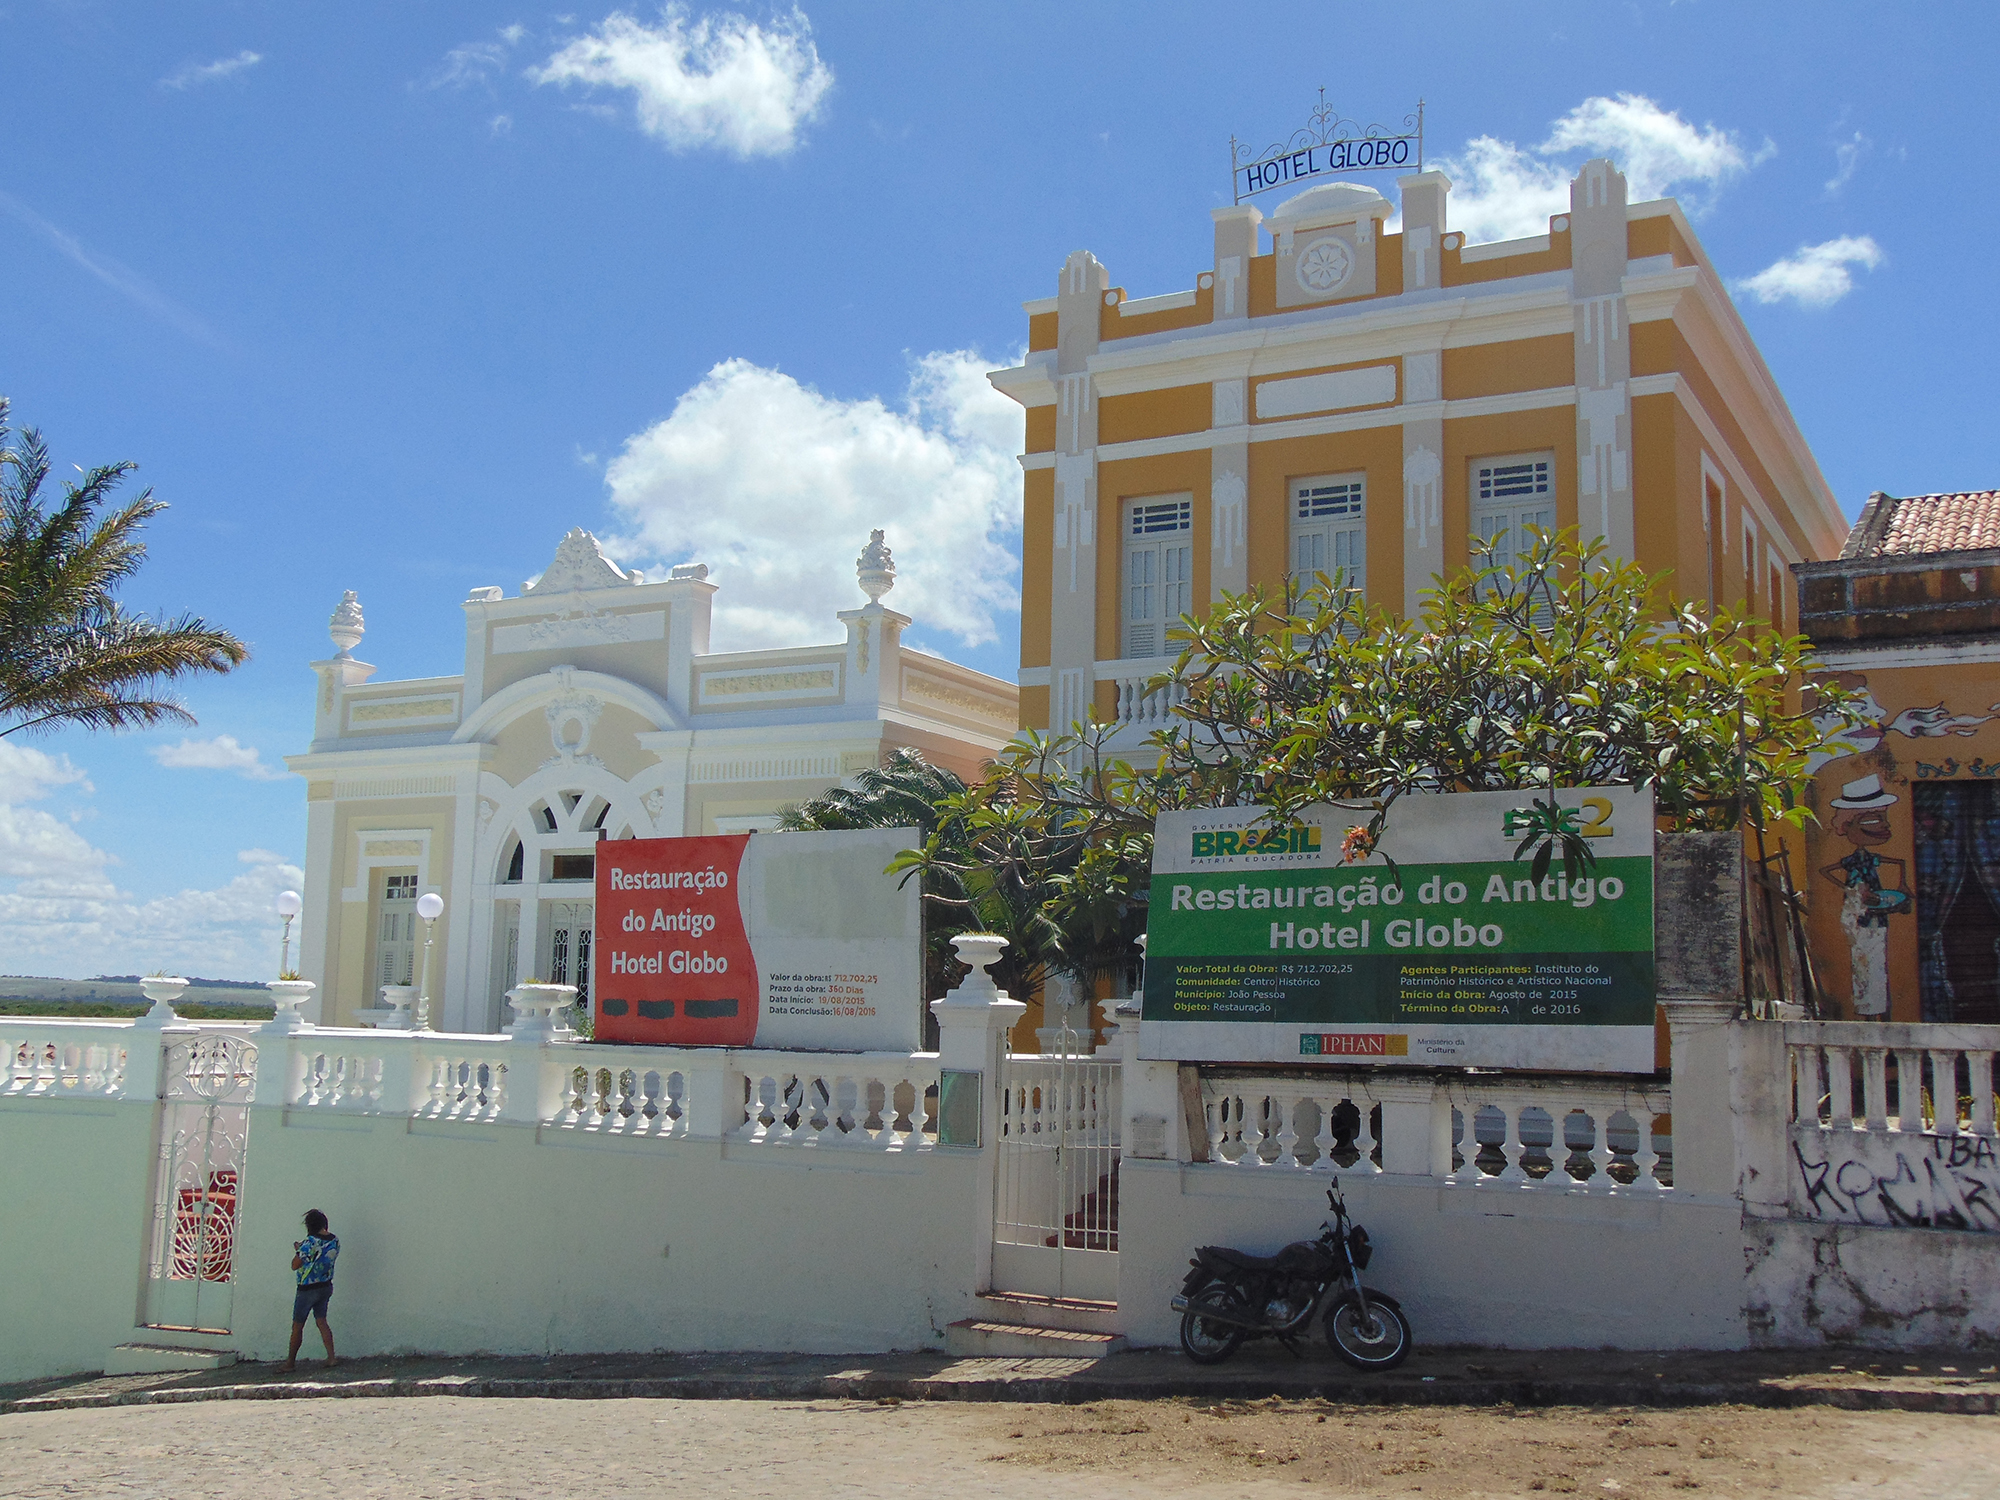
1229,1297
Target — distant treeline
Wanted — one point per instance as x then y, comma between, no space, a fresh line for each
110,1010
215,984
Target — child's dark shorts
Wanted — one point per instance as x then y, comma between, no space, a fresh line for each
310,1301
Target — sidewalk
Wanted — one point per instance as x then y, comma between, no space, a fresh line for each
1938,1381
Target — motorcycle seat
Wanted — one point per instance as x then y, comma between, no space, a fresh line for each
1238,1259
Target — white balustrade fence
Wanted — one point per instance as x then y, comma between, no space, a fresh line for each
1893,1079
1325,1126
1587,1136
634,1101
65,1059
1577,1137
883,1102
865,1101
1148,709
1893,1124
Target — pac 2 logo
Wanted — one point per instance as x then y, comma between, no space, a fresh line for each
1520,822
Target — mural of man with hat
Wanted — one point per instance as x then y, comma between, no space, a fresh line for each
1861,817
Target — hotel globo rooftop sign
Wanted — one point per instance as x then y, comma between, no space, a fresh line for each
1325,145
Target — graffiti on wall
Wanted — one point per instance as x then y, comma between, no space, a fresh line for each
1874,888
1870,723
1906,1181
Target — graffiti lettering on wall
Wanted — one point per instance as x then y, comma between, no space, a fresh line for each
1978,766
1922,1181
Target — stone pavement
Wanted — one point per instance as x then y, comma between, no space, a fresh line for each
1958,1381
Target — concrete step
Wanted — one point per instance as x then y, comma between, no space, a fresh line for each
974,1338
1032,1310
153,1359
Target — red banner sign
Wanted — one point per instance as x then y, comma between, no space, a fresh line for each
673,959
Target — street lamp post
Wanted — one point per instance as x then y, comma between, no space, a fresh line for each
430,906
289,906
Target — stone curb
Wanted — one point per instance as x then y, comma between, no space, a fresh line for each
1064,1390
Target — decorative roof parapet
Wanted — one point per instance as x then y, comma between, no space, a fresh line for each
580,564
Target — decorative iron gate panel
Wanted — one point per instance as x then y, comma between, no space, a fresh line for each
1055,1212
198,1187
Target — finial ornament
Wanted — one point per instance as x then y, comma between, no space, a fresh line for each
346,628
875,568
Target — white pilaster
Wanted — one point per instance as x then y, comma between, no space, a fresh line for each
1073,613
1424,199
1235,248
1603,357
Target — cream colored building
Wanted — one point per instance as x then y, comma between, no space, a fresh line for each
590,708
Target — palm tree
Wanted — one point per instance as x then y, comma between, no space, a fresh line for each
1000,857
908,792
69,652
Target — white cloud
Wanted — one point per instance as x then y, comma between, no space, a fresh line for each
1815,275
475,62
229,932
720,80
1502,191
61,912
776,486
196,74
28,775
1847,158
120,278
221,753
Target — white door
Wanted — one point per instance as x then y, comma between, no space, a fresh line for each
566,938
1159,572
396,930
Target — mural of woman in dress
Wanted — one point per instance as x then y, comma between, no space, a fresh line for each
1861,817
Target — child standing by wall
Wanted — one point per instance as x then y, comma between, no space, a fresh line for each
313,1259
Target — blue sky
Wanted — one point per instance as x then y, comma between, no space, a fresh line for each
386,297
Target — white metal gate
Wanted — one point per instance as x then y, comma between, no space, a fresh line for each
198,1187
1055,1211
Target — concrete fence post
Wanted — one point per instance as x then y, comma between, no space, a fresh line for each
1760,1098
973,1022
1704,1135
1408,1130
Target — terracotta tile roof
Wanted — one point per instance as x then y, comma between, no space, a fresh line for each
1912,525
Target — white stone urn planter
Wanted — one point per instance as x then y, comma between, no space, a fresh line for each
393,1014
163,992
535,1010
979,951
287,995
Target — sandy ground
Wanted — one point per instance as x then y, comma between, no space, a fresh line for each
459,1449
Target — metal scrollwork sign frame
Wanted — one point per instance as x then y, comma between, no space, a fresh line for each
1326,143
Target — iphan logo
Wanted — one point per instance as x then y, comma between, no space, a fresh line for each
1294,838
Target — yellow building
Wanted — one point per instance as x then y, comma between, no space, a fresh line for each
1332,393
1903,866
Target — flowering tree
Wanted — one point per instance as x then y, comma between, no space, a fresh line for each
1562,670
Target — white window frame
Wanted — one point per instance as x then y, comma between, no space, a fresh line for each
1332,511
1156,571
1505,499
396,952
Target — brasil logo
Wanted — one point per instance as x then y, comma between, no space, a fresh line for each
1295,838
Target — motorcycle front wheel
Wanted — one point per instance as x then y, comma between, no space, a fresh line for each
1205,1340
1379,1340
